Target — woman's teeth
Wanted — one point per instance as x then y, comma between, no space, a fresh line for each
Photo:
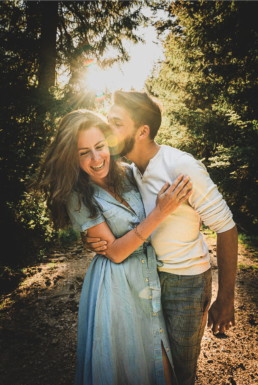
96,168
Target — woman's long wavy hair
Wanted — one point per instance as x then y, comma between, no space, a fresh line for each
60,173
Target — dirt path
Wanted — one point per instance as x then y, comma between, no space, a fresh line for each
39,320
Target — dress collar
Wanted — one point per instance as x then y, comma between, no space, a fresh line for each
101,193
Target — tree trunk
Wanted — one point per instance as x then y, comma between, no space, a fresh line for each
47,54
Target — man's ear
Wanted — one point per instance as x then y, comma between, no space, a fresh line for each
143,132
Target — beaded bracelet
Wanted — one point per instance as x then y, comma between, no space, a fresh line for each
139,235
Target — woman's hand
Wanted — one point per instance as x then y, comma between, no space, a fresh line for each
170,197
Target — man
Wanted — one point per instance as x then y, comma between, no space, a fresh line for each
185,272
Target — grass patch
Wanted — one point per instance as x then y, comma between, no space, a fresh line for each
245,267
250,241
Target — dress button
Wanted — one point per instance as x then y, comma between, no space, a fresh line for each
161,330
167,349
146,279
142,261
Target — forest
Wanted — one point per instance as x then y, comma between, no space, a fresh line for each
207,86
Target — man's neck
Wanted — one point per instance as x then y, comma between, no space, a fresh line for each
141,155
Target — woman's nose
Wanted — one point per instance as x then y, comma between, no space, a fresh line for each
95,155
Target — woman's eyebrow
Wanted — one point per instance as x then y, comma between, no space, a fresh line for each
87,148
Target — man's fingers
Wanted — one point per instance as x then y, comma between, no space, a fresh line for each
95,245
223,328
97,249
90,240
215,328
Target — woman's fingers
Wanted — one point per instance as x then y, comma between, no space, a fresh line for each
184,190
176,186
164,188
180,187
184,197
177,181
170,197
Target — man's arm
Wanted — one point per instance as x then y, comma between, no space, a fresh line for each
221,313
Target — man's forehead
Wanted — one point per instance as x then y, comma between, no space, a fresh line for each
118,112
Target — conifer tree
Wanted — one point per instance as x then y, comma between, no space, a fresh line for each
37,39
209,88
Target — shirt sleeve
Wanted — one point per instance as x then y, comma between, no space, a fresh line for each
80,216
205,197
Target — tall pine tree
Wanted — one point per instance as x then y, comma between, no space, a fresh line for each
209,87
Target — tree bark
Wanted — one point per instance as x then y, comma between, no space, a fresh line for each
48,52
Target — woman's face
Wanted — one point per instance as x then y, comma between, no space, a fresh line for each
94,155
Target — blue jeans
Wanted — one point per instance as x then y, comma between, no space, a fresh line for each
185,302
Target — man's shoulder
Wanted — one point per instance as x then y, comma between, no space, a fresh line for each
175,157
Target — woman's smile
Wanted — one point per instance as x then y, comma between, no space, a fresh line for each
97,168
94,155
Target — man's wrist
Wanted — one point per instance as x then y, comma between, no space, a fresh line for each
227,298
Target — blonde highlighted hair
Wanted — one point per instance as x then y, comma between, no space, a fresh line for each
60,173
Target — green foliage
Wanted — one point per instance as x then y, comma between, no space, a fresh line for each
249,240
68,236
39,40
10,278
209,90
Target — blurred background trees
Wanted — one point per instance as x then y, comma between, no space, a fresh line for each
44,48
208,86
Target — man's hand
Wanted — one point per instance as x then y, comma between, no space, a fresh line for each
221,316
94,244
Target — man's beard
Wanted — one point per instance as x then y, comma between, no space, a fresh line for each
128,145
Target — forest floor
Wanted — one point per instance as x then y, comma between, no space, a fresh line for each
39,321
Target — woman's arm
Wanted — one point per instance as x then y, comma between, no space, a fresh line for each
169,198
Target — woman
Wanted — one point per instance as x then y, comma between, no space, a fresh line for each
122,337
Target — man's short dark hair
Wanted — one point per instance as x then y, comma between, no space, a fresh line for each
142,109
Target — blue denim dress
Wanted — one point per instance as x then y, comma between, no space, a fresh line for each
121,325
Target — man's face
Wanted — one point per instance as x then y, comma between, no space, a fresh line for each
123,128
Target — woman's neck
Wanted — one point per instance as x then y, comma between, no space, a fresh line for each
100,182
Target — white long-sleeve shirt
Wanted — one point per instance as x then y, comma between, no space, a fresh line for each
178,241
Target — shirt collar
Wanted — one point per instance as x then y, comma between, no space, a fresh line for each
136,170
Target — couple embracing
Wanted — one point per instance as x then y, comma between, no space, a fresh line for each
146,296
